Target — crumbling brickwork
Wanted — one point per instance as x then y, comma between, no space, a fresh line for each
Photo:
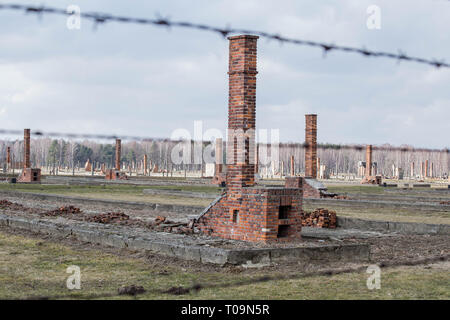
244,211
311,192
311,146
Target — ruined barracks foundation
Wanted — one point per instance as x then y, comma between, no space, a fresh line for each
245,211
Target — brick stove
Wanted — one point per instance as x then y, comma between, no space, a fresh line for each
29,175
245,211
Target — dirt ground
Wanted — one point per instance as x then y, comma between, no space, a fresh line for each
415,265
386,248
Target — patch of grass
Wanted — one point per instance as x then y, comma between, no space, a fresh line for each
356,189
118,192
124,188
36,268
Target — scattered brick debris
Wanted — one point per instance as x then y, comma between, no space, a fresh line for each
161,223
131,290
109,217
159,220
319,218
445,202
341,197
5,204
64,210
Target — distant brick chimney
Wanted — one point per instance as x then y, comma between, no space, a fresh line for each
368,171
118,153
26,145
8,155
145,164
311,146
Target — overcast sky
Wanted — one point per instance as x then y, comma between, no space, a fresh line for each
149,81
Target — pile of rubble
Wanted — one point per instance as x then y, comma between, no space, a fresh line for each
109,217
319,218
341,197
336,196
64,210
5,204
162,224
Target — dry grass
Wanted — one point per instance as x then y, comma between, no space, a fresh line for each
37,268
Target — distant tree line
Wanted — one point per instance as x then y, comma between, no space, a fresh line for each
63,153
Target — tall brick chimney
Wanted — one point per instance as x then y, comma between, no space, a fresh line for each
245,212
219,155
311,146
26,145
118,151
145,164
292,166
368,172
257,159
422,169
8,155
241,111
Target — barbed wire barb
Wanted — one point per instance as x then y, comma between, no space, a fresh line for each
166,22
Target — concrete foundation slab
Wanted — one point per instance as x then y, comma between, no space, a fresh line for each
182,246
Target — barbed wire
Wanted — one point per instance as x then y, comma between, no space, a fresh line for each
101,18
323,146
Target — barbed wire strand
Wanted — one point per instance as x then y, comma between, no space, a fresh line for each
86,136
102,18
